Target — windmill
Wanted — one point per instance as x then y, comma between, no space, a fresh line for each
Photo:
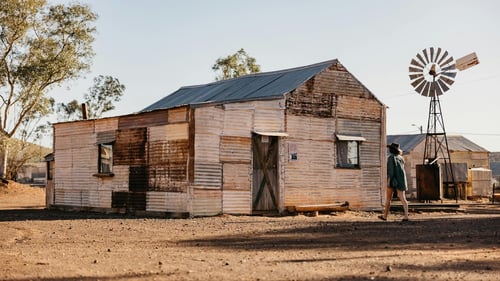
432,72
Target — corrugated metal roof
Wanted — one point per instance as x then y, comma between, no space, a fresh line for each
264,85
406,142
455,142
460,143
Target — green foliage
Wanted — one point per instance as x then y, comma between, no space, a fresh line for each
235,65
41,46
99,99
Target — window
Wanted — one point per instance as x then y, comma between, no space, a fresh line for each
105,162
348,151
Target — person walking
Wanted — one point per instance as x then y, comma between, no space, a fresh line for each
396,180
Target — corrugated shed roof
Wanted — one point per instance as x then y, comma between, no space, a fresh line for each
406,142
264,85
460,143
455,142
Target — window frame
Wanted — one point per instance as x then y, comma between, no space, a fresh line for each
343,150
101,172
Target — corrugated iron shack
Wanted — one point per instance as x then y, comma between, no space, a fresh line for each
265,142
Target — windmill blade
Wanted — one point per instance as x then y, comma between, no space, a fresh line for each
425,92
438,53
421,59
415,63
443,86
443,57
437,89
418,81
448,68
449,74
448,81
415,76
432,54
426,56
450,59
413,69
419,88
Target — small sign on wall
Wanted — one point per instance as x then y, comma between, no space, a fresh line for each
293,152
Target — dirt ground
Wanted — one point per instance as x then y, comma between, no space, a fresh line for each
37,244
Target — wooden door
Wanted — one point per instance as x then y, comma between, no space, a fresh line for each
265,173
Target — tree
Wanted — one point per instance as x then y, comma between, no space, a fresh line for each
235,65
41,46
99,99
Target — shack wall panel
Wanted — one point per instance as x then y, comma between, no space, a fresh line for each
311,178
206,202
130,147
207,148
236,176
157,133
235,149
176,115
72,197
168,162
208,120
269,119
178,131
106,124
119,182
208,175
74,128
167,202
147,119
238,123
306,127
237,202
358,108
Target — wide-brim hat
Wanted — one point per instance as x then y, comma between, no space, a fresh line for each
394,146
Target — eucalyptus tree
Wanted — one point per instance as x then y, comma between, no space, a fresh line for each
41,46
235,65
100,98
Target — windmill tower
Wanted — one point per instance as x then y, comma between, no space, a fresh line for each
432,72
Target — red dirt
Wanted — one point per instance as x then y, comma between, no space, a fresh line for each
38,244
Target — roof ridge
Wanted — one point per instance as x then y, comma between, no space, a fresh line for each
273,72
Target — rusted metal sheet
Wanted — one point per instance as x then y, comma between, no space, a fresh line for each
302,103
207,202
168,162
132,201
358,108
130,147
178,131
147,119
302,127
138,178
429,184
105,137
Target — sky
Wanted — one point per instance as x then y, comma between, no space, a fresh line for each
155,47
